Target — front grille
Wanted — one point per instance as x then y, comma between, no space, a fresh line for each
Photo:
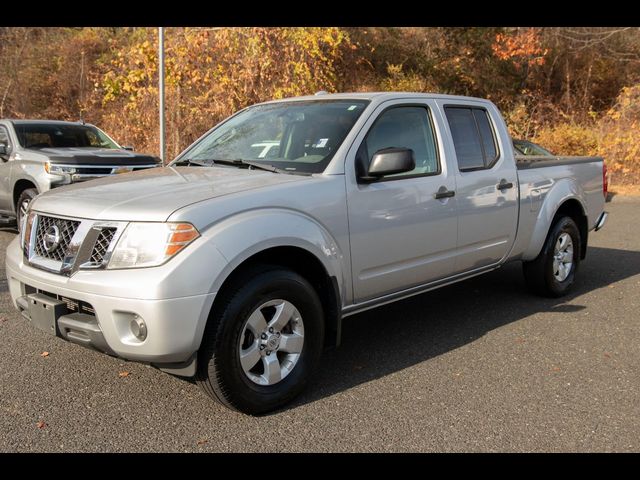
66,229
94,171
92,239
102,244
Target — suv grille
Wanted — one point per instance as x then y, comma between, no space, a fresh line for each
94,171
49,226
102,244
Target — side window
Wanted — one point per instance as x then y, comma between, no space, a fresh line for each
405,127
4,137
473,137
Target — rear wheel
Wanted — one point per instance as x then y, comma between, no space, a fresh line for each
553,271
263,341
22,205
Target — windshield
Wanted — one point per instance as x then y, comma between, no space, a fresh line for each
293,136
50,135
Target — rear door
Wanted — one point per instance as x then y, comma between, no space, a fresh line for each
401,234
487,188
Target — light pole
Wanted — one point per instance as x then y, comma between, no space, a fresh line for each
161,90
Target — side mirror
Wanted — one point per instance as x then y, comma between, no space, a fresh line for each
389,161
127,147
3,149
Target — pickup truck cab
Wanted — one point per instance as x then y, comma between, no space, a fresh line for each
38,155
238,269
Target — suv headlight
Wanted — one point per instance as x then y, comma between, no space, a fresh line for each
150,244
59,169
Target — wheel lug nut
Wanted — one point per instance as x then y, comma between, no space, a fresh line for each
277,334
261,347
263,336
268,352
270,329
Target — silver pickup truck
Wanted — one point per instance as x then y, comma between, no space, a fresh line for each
238,262
38,155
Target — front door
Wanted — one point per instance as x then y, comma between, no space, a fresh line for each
401,234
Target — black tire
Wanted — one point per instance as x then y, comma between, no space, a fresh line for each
220,373
539,273
26,196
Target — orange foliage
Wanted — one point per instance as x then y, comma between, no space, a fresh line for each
521,47
210,74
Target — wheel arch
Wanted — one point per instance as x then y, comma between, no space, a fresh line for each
565,199
305,263
19,187
292,239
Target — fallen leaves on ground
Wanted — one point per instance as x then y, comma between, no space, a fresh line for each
607,355
41,424
44,354
124,374
202,442
3,319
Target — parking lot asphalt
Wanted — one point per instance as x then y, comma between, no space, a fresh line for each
478,366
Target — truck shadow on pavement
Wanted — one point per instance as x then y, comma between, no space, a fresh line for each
391,338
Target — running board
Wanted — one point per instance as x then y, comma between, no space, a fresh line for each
417,290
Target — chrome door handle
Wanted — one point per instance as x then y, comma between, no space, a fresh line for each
444,193
503,185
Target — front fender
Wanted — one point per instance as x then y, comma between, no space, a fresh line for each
561,191
33,171
245,234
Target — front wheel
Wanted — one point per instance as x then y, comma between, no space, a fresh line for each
553,271
22,205
263,341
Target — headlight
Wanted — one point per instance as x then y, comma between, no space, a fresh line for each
151,244
25,229
59,169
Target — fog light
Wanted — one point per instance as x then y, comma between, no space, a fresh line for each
138,328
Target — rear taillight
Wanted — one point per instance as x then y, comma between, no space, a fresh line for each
605,183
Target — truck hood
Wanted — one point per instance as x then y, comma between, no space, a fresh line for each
95,156
153,194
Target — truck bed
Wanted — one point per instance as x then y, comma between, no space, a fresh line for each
562,177
530,161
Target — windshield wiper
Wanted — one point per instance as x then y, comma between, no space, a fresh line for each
260,166
188,161
240,164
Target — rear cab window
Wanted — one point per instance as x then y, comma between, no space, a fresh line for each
474,138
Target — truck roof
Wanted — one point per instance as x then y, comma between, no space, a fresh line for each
45,122
377,96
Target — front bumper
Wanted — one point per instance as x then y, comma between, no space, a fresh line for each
174,325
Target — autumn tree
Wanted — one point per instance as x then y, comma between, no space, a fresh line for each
210,73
